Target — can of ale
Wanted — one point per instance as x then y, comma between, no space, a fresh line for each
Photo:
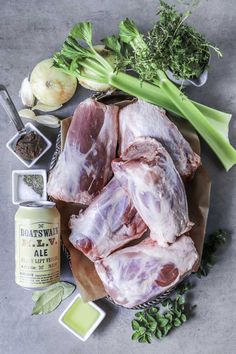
37,245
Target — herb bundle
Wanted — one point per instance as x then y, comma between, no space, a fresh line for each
176,46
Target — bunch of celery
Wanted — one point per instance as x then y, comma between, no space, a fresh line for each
73,58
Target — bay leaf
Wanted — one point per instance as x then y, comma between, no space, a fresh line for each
68,289
48,301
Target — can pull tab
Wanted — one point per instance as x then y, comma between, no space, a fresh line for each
10,109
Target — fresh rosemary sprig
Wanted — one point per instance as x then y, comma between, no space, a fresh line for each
213,243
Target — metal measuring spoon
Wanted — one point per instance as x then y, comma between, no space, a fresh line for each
10,109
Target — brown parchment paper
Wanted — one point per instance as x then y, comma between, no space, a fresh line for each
198,194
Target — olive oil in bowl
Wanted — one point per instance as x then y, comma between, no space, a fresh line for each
81,318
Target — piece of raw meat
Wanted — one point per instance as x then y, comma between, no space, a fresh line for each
144,119
148,174
108,223
136,274
84,166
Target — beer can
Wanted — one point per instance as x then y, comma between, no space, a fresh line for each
37,244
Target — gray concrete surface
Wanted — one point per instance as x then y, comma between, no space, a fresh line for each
33,30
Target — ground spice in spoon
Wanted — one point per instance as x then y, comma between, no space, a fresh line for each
29,146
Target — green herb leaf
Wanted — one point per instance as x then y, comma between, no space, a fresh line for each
142,330
135,325
158,334
177,322
163,322
135,335
49,299
68,289
152,327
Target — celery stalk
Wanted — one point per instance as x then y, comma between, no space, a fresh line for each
225,152
153,94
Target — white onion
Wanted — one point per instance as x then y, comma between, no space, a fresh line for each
26,93
50,85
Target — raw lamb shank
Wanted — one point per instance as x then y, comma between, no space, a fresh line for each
84,166
135,274
147,172
144,119
108,223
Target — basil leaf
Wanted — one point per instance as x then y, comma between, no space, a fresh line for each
48,301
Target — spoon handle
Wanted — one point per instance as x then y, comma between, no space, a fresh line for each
9,107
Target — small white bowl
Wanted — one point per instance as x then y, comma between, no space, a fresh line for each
29,127
16,175
92,328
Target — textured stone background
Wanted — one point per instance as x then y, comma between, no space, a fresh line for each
33,30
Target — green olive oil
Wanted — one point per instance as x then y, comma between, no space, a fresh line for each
80,317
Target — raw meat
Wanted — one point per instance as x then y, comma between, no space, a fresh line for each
135,274
148,174
107,224
84,166
144,119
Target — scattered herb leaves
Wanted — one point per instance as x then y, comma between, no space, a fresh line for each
158,322
49,299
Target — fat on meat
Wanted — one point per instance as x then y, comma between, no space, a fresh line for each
84,166
136,274
108,223
144,119
147,172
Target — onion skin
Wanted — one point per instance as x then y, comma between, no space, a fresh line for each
50,85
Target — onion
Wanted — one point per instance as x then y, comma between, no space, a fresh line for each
50,85
91,85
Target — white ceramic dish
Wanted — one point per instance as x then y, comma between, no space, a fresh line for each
92,328
11,143
16,175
